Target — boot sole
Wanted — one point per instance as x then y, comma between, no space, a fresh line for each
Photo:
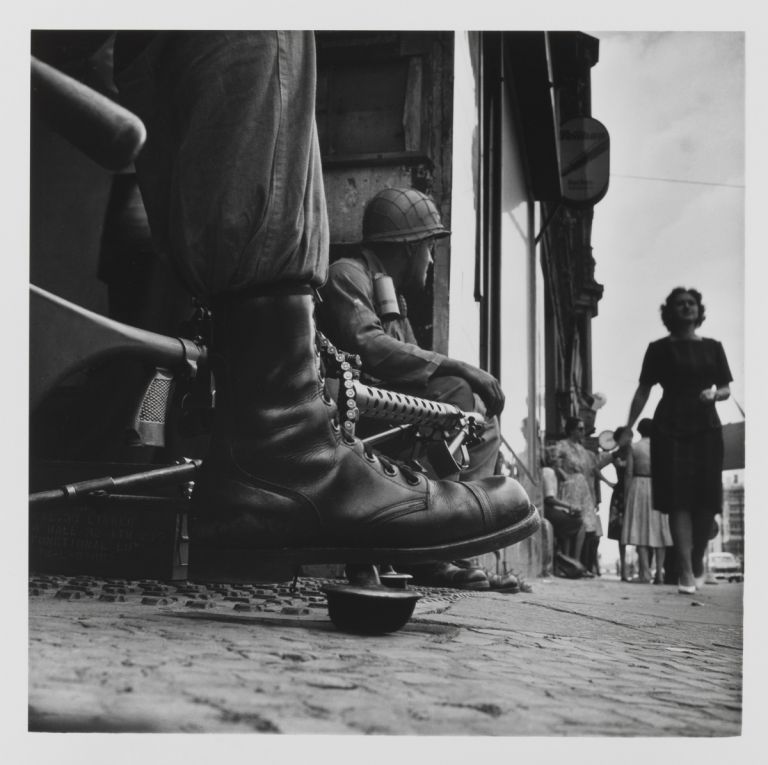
282,564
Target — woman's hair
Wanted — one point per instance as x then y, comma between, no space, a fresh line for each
645,426
571,424
620,431
667,313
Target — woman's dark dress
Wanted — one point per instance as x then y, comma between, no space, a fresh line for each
616,511
687,443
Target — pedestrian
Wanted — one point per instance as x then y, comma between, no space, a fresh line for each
686,441
622,438
590,556
231,180
644,526
364,311
565,518
578,468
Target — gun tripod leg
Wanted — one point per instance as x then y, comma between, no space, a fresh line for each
371,603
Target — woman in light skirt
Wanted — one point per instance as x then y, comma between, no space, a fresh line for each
644,527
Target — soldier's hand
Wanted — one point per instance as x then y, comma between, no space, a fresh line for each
487,387
484,385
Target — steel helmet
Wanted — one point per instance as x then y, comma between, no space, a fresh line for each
401,215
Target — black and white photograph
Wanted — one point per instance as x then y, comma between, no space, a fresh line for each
382,383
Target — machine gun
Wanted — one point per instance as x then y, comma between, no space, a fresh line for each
444,430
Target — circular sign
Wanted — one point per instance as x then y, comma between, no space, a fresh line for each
584,161
606,441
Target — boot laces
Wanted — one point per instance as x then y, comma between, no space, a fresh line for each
410,470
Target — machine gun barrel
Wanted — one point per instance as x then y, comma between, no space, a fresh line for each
454,428
381,404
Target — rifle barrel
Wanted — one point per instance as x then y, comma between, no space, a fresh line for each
108,484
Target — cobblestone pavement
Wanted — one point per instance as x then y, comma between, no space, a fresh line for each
572,658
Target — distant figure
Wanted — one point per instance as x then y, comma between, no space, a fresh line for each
590,556
623,439
565,519
687,442
644,527
578,468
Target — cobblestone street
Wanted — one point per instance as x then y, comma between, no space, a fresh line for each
572,658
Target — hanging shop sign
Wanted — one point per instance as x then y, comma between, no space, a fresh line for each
584,161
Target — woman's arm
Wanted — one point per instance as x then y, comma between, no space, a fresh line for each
639,400
603,459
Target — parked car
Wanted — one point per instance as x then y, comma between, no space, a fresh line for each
725,567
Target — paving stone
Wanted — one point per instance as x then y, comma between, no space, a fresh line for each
199,604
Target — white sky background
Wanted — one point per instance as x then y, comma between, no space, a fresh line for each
673,104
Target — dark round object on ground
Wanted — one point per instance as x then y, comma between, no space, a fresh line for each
369,610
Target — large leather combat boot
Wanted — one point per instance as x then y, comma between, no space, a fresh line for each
283,485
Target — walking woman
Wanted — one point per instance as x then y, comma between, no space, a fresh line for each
686,442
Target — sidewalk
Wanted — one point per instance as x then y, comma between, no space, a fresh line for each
572,658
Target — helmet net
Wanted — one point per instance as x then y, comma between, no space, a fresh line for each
401,215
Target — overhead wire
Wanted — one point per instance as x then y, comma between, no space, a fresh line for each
679,180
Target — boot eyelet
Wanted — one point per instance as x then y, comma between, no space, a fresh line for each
370,457
335,426
390,471
327,400
413,480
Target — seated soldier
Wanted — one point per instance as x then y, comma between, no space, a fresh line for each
363,311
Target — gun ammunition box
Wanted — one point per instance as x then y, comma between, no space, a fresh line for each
122,536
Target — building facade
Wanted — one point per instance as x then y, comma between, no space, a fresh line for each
732,527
